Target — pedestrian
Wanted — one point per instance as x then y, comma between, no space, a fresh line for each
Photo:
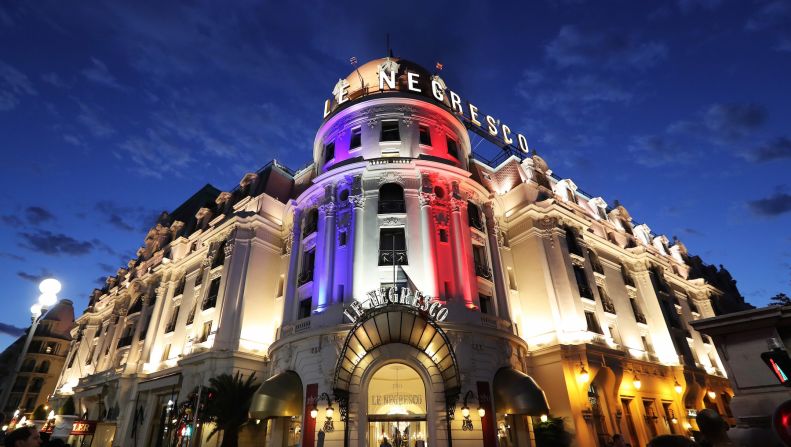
23,437
713,429
617,441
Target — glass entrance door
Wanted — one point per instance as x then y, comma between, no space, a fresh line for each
397,432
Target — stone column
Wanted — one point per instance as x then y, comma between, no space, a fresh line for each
237,256
358,261
325,251
293,264
498,277
427,238
461,251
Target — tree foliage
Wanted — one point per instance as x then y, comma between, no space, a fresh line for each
67,409
229,399
781,299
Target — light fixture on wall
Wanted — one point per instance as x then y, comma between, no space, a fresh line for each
712,395
583,374
673,418
466,425
677,386
636,382
328,412
544,418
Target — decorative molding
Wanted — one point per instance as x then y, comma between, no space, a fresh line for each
328,209
357,201
391,177
392,221
457,205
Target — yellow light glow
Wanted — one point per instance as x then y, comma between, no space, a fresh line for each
329,412
677,387
583,375
481,412
314,413
465,412
544,418
637,383
712,395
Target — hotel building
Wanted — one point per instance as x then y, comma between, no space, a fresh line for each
401,288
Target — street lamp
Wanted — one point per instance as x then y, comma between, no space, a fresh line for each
49,289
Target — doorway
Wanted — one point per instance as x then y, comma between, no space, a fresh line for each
397,408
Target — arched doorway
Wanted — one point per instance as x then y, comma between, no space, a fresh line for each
397,407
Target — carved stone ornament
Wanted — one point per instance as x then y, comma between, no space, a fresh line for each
441,218
426,199
548,223
456,205
407,120
328,209
228,248
206,261
357,201
391,177
392,221
344,220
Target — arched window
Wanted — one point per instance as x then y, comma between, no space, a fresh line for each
29,365
595,263
474,216
219,255
391,199
36,385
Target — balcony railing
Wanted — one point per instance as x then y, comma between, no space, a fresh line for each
585,292
305,277
391,206
640,318
476,222
387,257
210,302
483,271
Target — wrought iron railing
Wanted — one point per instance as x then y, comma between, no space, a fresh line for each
483,271
390,257
391,206
305,277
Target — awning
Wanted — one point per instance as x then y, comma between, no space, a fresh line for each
279,396
517,393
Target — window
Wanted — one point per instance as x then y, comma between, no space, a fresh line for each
89,359
166,353
311,222
280,283
474,216
173,319
486,304
180,286
306,273
219,255
357,138
595,264
211,297
425,136
627,277
31,402
329,151
28,366
601,212
205,333
616,337
606,302
191,316
391,199
305,307
443,235
36,385
390,131
593,323
453,148
582,283
199,277
342,238
392,247
638,314
43,367
481,263
71,360
571,242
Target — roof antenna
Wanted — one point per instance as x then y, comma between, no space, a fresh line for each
389,50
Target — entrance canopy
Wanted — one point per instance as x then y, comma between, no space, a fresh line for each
397,323
517,393
279,396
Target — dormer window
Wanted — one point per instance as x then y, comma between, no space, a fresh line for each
390,131
453,148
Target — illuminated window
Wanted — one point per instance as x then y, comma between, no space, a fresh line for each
474,216
329,152
305,307
392,247
211,297
582,283
357,138
205,333
390,131
173,319
453,148
425,136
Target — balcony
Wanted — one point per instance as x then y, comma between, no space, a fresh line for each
585,292
390,257
391,206
476,222
640,318
305,277
483,271
309,228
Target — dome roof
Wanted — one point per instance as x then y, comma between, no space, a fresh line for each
365,79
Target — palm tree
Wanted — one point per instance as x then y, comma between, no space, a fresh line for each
781,299
229,403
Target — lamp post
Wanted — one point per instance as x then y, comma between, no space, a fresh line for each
49,289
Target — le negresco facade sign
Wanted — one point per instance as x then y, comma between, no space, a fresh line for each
387,296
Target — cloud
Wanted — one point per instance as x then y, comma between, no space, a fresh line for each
12,256
35,277
574,48
11,330
776,149
688,6
90,118
11,220
771,15
54,80
734,121
37,214
13,85
99,74
659,150
127,218
48,243
774,205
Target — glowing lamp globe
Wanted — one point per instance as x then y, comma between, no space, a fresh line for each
637,383
329,412
465,412
47,300
313,413
712,395
49,286
481,412
51,414
35,310
544,418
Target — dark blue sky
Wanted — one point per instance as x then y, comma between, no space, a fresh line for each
113,111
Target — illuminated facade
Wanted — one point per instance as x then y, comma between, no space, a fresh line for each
407,290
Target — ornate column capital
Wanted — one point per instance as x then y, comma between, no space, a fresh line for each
328,208
457,205
357,201
426,199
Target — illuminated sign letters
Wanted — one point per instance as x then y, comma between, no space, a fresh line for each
405,297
